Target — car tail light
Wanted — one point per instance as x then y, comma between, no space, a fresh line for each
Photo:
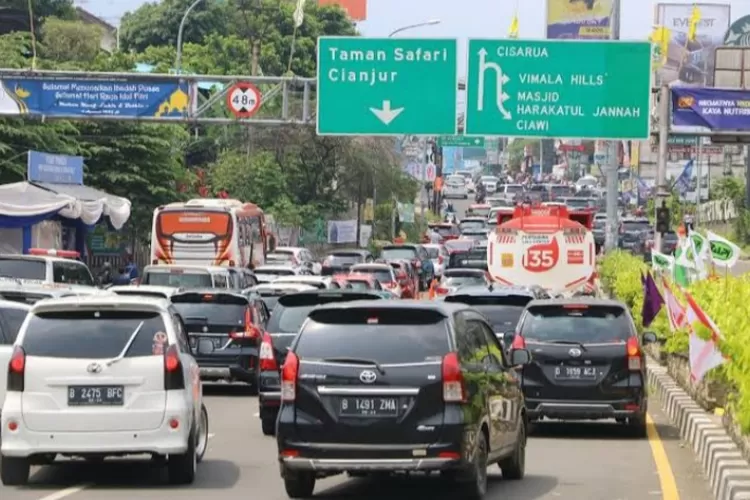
390,284
518,342
634,354
453,380
17,369
174,379
250,332
289,373
266,356
442,291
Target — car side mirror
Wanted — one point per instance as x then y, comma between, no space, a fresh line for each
649,338
205,347
520,357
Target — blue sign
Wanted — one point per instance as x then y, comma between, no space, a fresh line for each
453,160
716,109
81,98
55,169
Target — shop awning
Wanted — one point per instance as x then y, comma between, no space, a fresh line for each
24,204
93,203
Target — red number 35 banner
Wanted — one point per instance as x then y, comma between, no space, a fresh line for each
542,257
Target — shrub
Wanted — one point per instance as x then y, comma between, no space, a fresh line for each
724,299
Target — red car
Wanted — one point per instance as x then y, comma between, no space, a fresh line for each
406,279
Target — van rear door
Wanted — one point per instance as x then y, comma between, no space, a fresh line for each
75,380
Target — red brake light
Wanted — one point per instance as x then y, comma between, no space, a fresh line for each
171,359
575,306
265,354
518,342
442,291
173,376
289,374
16,370
634,354
453,380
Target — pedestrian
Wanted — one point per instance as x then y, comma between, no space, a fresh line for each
122,278
434,236
131,268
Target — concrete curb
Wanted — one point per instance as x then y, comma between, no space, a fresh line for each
727,470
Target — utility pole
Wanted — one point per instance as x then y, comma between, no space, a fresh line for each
662,190
612,165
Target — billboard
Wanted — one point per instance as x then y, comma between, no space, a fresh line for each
692,62
357,9
579,19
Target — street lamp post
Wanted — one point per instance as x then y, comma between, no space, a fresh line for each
431,22
178,61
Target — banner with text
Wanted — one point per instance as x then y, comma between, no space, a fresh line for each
55,169
716,109
692,61
78,98
579,19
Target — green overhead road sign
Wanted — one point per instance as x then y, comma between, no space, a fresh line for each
460,141
563,89
386,86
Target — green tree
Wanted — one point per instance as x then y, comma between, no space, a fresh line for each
45,8
70,42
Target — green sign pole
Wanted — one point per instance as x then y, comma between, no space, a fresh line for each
387,86
561,88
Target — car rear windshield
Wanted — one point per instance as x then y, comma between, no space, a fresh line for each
210,308
384,335
513,189
338,259
359,285
468,225
14,319
291,311
445,230
629,226
503,311
573,323
23,269
453,281
397,253
178,278
93,334
560,190
274,272
280,257
382,275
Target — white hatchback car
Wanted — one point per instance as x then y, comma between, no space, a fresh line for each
104,375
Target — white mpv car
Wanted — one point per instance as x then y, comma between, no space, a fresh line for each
103,375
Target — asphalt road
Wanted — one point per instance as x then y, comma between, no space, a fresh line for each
565,461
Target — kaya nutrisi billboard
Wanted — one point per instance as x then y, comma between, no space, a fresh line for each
692,62
580,19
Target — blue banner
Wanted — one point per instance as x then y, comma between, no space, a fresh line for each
716,109
81,98
55,169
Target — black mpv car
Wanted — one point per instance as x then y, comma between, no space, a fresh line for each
588,361
388,386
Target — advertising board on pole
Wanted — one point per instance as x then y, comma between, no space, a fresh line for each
580,19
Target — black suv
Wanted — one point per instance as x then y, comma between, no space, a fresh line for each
232,322
588,361
399,386
287,317
502,305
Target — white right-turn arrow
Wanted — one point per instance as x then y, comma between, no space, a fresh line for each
386,114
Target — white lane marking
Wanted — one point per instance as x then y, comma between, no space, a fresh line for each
66,492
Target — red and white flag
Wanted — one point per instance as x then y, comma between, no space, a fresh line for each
704,354
675,311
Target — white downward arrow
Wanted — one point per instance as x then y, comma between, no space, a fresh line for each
386,114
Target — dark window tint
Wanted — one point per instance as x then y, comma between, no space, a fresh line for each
471,225
23,269
453,281
338,259
214,309
585,324
270,301
631,226
178,279
503,312
92,334
24,297
433,252
13,319
280,257
139,293
514,189
384,335
71,273
359,285
288,319
274,272
397,253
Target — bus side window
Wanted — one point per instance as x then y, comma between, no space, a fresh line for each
255,229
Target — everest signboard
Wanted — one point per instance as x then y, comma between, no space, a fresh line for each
716,109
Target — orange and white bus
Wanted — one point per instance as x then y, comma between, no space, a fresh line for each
210,232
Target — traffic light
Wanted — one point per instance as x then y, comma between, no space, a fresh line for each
662,219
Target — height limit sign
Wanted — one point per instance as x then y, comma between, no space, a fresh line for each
243,99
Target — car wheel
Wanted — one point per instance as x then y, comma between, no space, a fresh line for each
637,426
268,426
14,471
299,484
202,435
181,467
514,467
475,486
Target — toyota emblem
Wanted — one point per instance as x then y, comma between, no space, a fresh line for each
368,376
94,368
575,352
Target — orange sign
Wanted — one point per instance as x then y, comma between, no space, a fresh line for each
356,9
194,222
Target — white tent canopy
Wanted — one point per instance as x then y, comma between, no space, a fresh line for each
24,199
